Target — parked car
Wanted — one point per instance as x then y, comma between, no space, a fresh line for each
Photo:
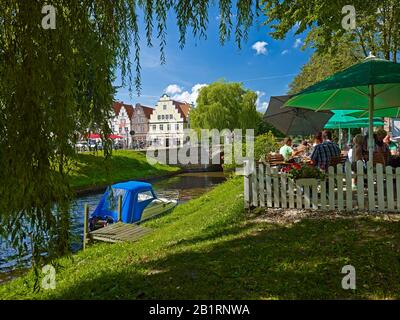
82,146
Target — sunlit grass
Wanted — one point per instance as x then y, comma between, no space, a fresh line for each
210,248
92,169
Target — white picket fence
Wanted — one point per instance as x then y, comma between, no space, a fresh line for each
377,190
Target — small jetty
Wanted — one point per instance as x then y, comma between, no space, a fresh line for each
119,232
114,233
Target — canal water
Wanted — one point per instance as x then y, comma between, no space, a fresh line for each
186,185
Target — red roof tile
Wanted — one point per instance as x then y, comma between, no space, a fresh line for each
183,108
129,108
147,110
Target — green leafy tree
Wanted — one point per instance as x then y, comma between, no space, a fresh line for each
57,83
322,65
265,144
224,105
377,24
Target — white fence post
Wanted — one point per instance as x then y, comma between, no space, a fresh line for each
247,190
276,187
371,188
261,186
360,185
331,191
268,184
389,188
291,193
339,175
284,190
254,184
379,183
266,187
349,186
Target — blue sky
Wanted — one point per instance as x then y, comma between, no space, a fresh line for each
264,65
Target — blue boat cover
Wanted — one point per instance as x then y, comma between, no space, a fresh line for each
136,196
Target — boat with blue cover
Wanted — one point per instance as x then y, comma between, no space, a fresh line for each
139,203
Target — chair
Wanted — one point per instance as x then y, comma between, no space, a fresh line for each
334,161
379,157
275,159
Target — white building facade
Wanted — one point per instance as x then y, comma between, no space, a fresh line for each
167,123
121,123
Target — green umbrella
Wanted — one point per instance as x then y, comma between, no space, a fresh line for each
371,85
343,119
382,113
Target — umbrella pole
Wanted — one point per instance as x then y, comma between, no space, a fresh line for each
371,128
348,136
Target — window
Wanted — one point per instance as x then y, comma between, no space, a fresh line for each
168,127
170,116
161,127
145,195
111,201
159,117
164,107
177,126
163,117
154,127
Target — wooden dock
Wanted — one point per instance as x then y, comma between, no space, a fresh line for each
119,232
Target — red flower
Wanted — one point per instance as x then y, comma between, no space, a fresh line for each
296,166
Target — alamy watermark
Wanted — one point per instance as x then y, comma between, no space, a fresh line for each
207,147
349,20
49,20
49,279
349,280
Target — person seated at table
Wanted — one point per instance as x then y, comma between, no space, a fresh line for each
324,152
391,144
355,154
380,147
318,139
287,151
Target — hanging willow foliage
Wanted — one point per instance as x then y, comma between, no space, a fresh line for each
57,83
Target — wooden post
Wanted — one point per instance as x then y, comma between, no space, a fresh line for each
85,225
247,190
120,208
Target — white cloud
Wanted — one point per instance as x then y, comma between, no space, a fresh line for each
298,43
190,97
173,89
260,94
260,47
285,52
263,107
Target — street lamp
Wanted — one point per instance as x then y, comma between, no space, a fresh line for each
132,133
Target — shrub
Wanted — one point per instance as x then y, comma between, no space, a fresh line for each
265,144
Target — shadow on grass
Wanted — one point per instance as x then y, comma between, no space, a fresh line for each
262,261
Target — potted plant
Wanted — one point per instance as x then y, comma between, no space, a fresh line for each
304,174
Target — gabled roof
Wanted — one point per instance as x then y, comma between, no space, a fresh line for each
183,108
117,108
147,110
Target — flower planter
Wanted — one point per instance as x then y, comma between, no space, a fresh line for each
307,182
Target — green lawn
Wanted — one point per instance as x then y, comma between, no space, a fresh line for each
90,170
209,248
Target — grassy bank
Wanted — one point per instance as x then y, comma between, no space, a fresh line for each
91,170
210,248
